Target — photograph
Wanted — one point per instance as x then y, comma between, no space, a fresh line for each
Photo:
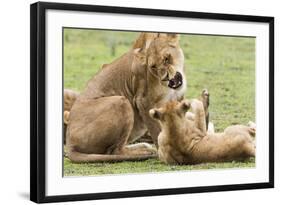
150,102
133,102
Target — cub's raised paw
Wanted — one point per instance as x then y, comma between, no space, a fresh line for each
205,97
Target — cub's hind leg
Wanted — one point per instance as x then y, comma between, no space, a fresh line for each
199,111
205,98
197,115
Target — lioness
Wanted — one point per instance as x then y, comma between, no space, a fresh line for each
114,108
182,142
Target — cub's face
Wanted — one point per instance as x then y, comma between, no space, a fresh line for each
165,60
171,113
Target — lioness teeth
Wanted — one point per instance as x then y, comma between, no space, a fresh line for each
176,82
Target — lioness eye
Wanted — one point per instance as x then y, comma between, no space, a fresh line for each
153,66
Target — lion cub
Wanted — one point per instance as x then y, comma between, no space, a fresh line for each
69,97
181,141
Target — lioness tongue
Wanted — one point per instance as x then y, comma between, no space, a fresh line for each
175,82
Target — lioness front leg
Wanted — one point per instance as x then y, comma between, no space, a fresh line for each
153,127
99,129
141,148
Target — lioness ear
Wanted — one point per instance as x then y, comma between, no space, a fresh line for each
140,47
144,40
184,106
173,38
140,41
155,114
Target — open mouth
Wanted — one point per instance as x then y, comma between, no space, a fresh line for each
175,82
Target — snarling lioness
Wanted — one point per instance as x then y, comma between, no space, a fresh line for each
113,110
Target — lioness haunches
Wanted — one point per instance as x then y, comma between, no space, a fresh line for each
113,110
182,142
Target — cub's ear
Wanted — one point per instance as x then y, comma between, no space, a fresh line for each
155,114
184,106
66,117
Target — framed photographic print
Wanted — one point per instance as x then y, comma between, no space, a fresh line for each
129,102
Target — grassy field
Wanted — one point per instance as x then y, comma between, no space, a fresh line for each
223,65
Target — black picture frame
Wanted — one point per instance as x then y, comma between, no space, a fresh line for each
38,100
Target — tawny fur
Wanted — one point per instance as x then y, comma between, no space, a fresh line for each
182,142
113,110
69,97
202,113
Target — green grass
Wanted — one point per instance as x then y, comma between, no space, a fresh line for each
151,165
223,65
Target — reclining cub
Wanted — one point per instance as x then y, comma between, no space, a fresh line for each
182,141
